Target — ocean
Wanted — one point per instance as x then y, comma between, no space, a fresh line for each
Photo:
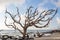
16,32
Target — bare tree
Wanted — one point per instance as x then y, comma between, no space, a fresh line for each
32,18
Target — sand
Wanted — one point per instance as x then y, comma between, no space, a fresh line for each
47,38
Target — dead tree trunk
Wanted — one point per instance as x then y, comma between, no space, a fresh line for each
24,34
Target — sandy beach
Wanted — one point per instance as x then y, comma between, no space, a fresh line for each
47,38
54,36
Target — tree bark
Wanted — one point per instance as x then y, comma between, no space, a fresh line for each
24,34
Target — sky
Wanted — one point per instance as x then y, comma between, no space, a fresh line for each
24,4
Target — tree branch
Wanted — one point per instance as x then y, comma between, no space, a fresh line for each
17,28
12,25
42,26
41,18
14,18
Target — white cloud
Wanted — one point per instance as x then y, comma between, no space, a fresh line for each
41,8
43,3
57,3
4,3
58,20
12,1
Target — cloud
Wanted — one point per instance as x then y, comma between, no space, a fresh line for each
56,2
40,5
12,1
58,20
40,9
4,3
43,3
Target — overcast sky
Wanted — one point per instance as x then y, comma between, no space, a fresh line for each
24,4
